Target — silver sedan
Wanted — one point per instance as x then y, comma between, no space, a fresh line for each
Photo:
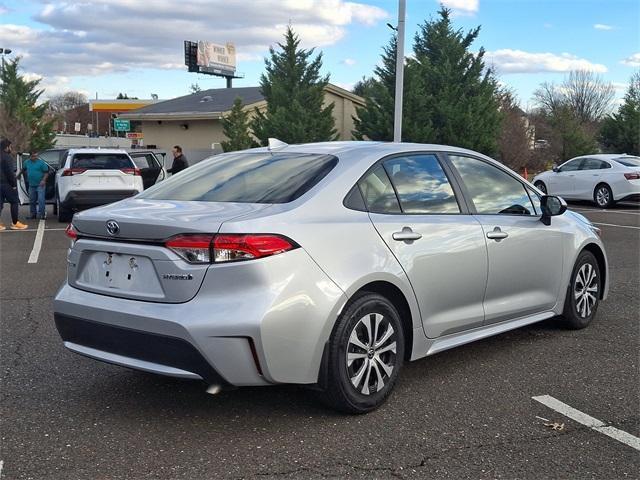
327,265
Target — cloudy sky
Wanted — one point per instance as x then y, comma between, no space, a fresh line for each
108,46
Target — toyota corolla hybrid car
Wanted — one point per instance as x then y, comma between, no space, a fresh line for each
327,265
603,179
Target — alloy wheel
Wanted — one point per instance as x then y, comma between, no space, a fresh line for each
603,196
585,290
371,353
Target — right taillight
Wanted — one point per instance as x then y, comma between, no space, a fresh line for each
235,247
632,176
202,248
192,248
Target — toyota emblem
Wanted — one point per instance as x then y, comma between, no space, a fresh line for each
112,227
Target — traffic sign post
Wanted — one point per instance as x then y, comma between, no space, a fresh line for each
120,125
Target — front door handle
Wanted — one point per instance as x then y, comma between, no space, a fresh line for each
406,235
497,234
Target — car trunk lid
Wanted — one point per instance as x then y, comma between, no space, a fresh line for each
133,262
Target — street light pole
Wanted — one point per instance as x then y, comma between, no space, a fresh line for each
397,114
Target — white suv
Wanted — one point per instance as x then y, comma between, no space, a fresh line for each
89,177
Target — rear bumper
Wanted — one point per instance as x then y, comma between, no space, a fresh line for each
82,199
147,351
251,323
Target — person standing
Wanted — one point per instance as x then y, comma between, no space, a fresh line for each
179,161
36,171
9,185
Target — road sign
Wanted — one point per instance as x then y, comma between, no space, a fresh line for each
135,135
120,125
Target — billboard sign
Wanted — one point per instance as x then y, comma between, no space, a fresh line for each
217,57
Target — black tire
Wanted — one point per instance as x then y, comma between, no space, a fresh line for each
603,196
541,186
578,315
64,214
340,393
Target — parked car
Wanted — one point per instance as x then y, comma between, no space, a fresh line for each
603,179
91,177
327,264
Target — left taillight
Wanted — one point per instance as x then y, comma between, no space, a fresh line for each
223,248
131,171
632,176
72,233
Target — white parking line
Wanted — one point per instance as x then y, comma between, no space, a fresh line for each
624,212
34,230
614,225
589,421
37,244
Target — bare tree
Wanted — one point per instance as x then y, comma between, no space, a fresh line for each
515,145
585,94
67,101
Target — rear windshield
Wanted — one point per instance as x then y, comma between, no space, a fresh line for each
246,178
629,161
101,161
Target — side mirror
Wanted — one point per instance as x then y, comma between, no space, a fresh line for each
551,207
556,168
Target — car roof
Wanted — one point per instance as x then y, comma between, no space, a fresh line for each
606,156
365,147
73,151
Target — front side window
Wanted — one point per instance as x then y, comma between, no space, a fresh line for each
421,184
492,190
246,178
571,166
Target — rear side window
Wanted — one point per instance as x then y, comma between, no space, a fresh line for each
421,184
629,161
378,193
492,190
101,161
593,164
144,161
246,178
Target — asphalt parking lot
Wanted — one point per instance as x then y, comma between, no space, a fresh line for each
464,413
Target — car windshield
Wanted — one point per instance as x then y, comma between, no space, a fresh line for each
101,161
246,178
629,161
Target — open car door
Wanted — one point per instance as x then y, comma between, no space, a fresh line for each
150,167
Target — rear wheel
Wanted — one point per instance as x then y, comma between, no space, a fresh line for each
64,214
583,297
541,186
603,196
366,351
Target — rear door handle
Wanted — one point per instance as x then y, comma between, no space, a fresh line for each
406,235
497,234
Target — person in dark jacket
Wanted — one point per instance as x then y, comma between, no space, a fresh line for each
9,185
179,161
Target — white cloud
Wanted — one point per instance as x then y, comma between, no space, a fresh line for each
517,61
464,7
106,36
632,61
349,62
602,26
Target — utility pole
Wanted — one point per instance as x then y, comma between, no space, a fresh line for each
397,113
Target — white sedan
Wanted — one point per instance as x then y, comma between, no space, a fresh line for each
603,179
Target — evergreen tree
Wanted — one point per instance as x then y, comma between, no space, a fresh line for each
294,91
23,118
457,96
621,131
235,126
